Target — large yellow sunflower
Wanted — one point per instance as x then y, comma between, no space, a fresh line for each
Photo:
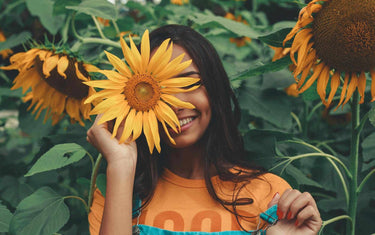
56,83
335,39
142,94
179,2
4,53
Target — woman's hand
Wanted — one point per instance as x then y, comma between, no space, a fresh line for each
297,212
100,137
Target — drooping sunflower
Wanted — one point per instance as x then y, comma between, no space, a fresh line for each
141,93
239,41
53,82
335,39
4,53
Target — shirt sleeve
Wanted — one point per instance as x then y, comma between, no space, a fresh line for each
96,213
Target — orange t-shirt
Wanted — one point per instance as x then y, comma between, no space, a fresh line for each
181,204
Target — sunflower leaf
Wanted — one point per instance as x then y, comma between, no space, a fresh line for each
43,212
15,40
235,27
371,116
270,67
5,217
276,39
44,10
57,157
300,177
100,8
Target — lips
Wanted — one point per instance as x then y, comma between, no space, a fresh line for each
185,121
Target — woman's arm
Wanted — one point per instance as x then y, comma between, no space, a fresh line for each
298,214
122,160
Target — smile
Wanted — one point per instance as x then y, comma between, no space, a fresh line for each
185,121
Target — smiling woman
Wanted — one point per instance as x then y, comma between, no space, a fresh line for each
201,181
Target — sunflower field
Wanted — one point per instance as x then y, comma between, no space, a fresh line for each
303,72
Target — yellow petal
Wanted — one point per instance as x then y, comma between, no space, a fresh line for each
79,74
147,131
110,114
344,88
90,68
167,132
136,56
49,64
154,129
176,102
351,87
172,70
107,84
173,90
362,86
322,84
118,64
128,56
165,113
145,49
62,65
128,126
114,76
160,53
163,59
137,125
179,82
317,70
335,82
106,104
125,110
102,94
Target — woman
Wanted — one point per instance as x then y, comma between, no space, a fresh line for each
203,182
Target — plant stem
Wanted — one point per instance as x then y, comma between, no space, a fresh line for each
353,164
365,180
337,218
98,27
79,198
94,174
305,120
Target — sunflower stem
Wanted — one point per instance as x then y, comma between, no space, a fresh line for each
101,41
79,198
94,174
353,164
98,27
337,218
305,120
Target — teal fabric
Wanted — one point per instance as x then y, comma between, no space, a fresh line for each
269,216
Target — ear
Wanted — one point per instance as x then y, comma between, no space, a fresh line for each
274,200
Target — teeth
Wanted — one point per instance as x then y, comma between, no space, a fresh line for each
185,121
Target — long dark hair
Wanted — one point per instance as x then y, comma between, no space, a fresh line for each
223,142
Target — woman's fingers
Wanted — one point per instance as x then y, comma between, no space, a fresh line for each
308,213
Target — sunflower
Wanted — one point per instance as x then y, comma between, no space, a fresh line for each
4,53
142,94
56,82
179,2
335,39
239,41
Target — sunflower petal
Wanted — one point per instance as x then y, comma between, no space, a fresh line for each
107,84
167,133
137,125
164,112
335,82
322,84
160,53
62,65
49,64
128,127
154,129
179,82
136,55
114,76
101,94
351,87
125,110
362,86
148,132
172,70
128,56
176,102
317,70
79,74
145,49
173,90
118,64
344,88
106,104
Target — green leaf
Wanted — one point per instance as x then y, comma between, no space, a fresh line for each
371,116
15,40
43,212
13,190
300,177
276,39
368,149
235,27
44,10
270,67
57,157
101,183
5,217
100,8
11,93
271,105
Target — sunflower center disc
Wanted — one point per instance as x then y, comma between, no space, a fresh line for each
344,34
71,86
142,92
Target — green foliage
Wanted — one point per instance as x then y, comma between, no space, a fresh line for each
5,217
57,157
43,212
100,8
15,40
